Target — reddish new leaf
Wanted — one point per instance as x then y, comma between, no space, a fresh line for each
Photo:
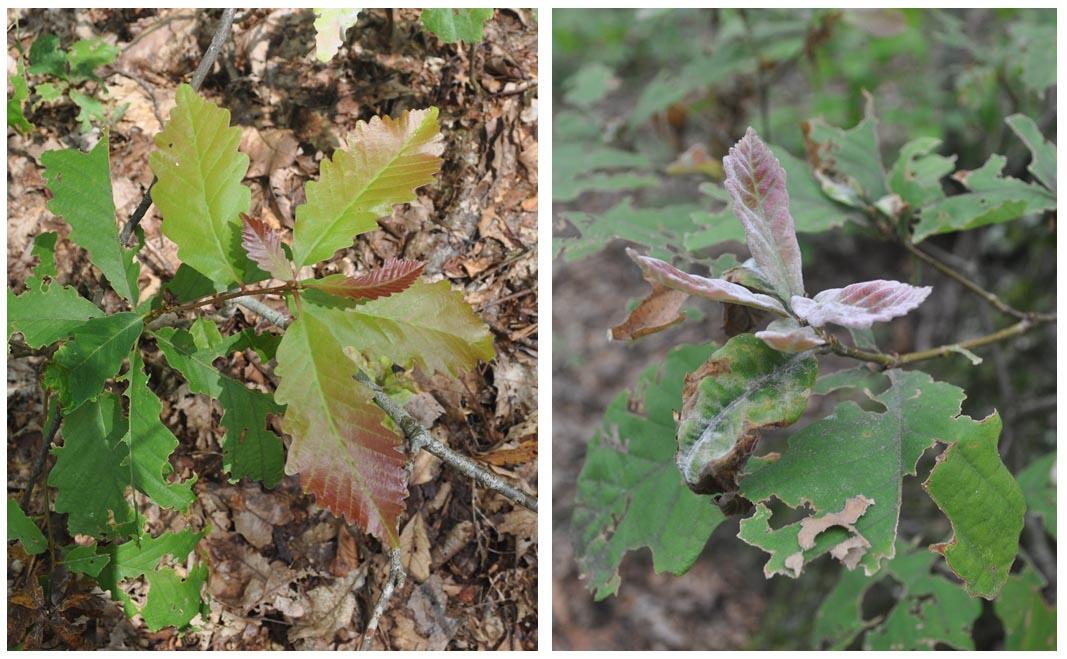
660,273
756,182
264,246
859,305
393,277
344,454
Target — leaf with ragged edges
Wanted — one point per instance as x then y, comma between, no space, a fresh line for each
199,192
330,28
383,163
394,276
983,502
93,354
992,199
1029,621
249,448
151,443
848,161
81,194
743,387
429,326
661,273
1042,151
142,556
756,182
860,305
854,452
345,456
46,312
264,246
173,601
452,25
629,492
916,175
91,472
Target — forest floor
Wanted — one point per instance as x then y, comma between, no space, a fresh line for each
285,574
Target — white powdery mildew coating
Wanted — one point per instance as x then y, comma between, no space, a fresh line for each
786,335
860,305
756,182
720,290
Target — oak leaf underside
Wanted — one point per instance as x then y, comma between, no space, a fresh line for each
393,277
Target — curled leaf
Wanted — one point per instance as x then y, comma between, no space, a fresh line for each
393,277
660,273
660,310
860,305
756,182
787,335
264,246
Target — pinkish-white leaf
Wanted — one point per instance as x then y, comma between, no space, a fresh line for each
264,246
720,290
787,335
756,182
860,305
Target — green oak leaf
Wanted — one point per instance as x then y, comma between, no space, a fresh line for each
199,192
84,559
655,227
249,448
92,470
428,325
151,443
1029,621
47,58
630,494
743,387
849,156
452,25
21,528
1038,482
16,103
916,175
1042,151
140,556
81,195
92,355
173,601
87,55
983,502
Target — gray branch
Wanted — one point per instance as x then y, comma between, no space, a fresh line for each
394,581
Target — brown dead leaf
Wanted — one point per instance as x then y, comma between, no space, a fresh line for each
525,452
268,150
522,525
254,528
657,312
850,551
331,608
415,548
347,558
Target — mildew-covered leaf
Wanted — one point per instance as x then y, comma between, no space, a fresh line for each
860,305
787,335
661,273
756,182
854,452
394,276
983,502
744,386
629,492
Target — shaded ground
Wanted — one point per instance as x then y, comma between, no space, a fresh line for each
283,573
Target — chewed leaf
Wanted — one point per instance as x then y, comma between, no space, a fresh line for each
756,182
264,246
393,277
658,311
743,387
860,305
383,163
664,274
787,335
344,454
985,505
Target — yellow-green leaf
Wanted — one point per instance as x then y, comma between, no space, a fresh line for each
382,164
